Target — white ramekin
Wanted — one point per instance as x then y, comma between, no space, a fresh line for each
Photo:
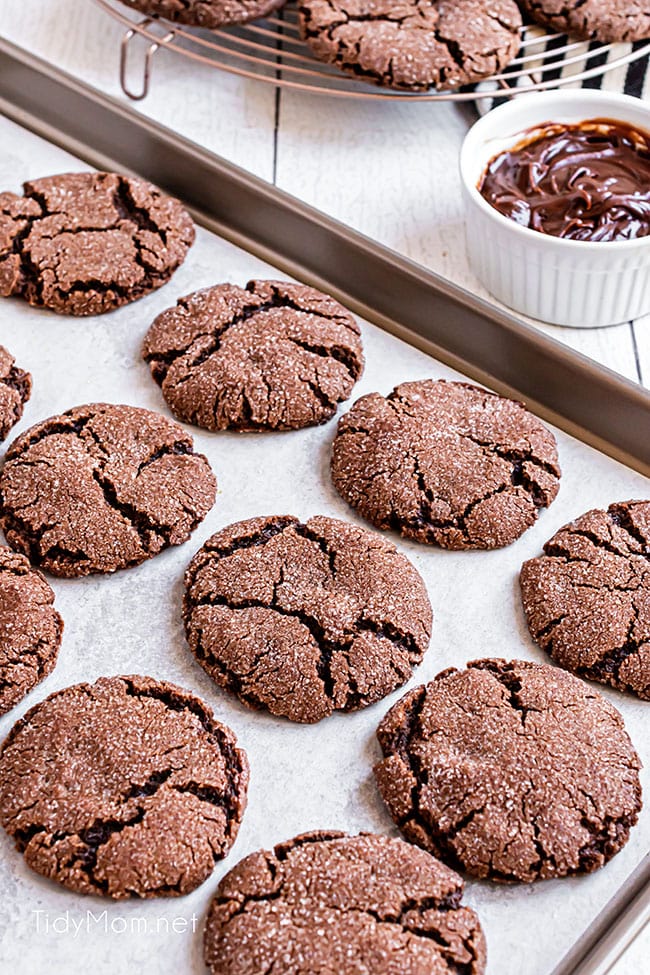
566,282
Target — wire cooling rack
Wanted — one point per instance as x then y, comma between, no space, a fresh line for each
271,51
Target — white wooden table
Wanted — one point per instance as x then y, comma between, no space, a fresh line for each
387,169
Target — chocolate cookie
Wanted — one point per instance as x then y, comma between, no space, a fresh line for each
207,13
602,20
413,44
512,771
30,628
101,488
272,356
127,787
85,243
15,390
445,463
587,599
305,619
347,904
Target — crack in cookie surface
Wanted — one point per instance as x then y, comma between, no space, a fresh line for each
273,355
413,44
15,390
610,21
445,463
128,787
347,904
85,243
102,487
208,13
30,628
587,599
304,619
512,771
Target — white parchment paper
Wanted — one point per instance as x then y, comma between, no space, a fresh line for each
302,777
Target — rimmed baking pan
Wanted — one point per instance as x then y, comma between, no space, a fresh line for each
584,399
482,340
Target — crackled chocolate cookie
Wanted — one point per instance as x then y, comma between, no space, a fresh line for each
587,599
445,463
85,243
413,44
348,904
102,487
272,355
207,13
602,20
15,390
128,787
512,771
305,619
30,628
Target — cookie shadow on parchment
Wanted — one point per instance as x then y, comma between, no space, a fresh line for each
190,674
527,648
367,794
197,965
181,659
334,505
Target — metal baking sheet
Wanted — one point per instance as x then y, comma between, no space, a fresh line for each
302,777
485,341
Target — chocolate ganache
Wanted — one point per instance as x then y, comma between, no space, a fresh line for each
589,181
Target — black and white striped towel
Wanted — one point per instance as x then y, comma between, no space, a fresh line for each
632,76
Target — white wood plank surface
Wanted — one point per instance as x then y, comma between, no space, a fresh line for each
389,170
642,341
227,114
